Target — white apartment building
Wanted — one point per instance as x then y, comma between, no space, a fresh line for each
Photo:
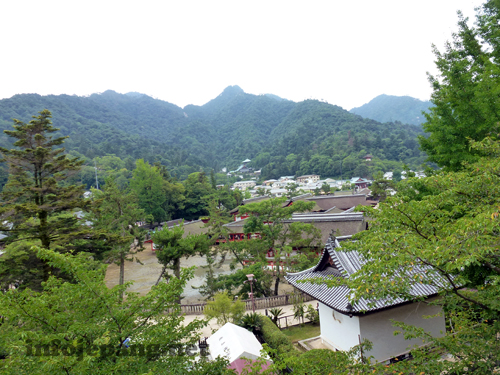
243,185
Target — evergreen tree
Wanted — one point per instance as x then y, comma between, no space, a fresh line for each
37,204
380,186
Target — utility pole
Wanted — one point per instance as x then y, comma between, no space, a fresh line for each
96,180
250,280
341,179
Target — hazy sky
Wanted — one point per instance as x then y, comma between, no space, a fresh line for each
186,52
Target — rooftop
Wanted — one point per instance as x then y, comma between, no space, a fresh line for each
335,263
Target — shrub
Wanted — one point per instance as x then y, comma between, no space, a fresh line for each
312,314
251,322
320,362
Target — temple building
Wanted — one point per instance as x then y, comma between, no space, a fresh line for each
344,326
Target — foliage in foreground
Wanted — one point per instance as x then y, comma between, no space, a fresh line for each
466,90
447,225
89,323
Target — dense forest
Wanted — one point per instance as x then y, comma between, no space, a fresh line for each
386,108
280,136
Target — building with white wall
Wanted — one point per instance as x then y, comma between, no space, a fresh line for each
344,326
308,178
243,185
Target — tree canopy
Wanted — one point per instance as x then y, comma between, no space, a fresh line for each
465,92
83,327
268,219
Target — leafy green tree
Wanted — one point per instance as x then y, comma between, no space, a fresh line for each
269,219
212,179
446,224
20,267
235,283
148,184
238,197
396,175
224,310
291,190
299,309
37,174
465,92
312,314
172,246
198,188
326,188
36,201
174,198
116,215
110,162
261,192
219,233
81,327
380,187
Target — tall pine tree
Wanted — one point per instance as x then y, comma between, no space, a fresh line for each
37,204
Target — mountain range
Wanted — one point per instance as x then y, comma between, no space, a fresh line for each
280,136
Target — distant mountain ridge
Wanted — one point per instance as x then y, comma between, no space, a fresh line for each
280,136
390,108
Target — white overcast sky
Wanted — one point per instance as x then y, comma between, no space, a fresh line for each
186,52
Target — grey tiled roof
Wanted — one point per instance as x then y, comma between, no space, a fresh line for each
345,263
302,196
321,216
350,210
319,197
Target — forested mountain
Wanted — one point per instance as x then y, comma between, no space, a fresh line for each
388,108
280,136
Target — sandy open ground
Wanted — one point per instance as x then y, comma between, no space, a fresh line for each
146,274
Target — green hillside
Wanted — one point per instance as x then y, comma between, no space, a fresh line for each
280,136
389,108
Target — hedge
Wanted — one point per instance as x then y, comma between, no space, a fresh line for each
276,339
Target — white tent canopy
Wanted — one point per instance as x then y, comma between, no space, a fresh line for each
234,342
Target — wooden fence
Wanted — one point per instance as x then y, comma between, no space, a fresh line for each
260,303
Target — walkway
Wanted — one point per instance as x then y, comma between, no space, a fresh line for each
212,325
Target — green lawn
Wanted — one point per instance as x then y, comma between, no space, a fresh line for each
297,333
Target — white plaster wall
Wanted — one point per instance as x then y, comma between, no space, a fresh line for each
340,332
378,328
